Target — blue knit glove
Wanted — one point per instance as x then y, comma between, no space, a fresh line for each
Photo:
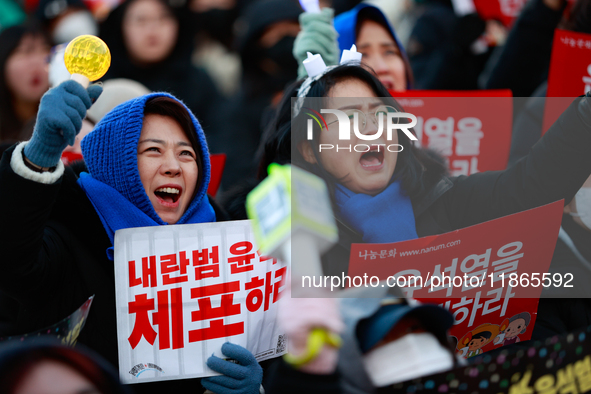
59,120
317,36
242,378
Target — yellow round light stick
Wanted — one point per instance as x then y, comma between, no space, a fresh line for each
87,58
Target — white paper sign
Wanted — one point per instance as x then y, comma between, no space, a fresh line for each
184,290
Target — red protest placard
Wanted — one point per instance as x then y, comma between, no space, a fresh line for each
471,129
218,162
484,274
569,75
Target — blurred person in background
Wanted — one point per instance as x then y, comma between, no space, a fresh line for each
572,256
23,79
523,67
447,51
384,340
524,61
265,36
65,20
215,18
214,25
151,43
45,366
367,27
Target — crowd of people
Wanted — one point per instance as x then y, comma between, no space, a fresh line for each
189,79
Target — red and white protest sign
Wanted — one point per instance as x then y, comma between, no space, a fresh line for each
471,129
184,290
569,75
484,274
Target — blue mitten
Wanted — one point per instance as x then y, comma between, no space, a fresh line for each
59,120
242,378
317,36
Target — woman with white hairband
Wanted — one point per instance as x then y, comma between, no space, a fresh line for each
384,196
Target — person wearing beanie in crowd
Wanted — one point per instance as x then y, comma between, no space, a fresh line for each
65,20
266,31
45,365
147,165
367,27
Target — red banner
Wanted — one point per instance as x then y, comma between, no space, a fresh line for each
471,129
486,274
218,162
570,73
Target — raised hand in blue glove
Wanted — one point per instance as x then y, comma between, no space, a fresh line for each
242,378
59,120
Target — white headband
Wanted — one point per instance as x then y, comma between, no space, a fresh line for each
316,69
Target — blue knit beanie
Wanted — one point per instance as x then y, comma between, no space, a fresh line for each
110,153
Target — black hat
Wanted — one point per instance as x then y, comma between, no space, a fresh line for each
260,15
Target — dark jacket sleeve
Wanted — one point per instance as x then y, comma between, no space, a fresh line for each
32,254
556,167
283,379
527,128
525,59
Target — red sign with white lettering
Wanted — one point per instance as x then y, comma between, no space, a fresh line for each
484,274
471,129
570,73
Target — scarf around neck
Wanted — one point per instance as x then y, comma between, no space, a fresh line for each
384,218
117,213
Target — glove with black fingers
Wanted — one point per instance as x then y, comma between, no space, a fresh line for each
59,120
242,378
317,36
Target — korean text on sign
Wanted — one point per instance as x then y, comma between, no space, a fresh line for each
182,291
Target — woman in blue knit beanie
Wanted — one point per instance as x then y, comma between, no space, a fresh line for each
147,164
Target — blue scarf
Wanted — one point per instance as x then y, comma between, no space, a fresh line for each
117,213
383,218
